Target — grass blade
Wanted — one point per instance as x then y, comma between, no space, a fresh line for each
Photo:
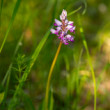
74,11
90,62
27,71
11,22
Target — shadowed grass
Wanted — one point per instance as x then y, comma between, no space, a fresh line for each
11,22
27,71
15,52
77,79
1,11
8,73
89,60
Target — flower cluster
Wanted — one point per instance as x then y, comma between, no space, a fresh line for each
62,28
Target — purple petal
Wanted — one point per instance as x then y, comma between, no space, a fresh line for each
65,41
55,24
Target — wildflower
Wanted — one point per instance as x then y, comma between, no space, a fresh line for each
62,28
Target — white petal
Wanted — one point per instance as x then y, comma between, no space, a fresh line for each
70,22
68,36
64,12
53,31
69,27
66,21
63,15
58,22
58,28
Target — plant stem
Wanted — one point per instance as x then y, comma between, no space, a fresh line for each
50,74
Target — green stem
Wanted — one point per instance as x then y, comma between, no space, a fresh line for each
90,63
50,74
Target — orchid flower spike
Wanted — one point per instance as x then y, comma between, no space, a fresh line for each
62,28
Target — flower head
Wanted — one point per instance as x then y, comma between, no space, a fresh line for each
62,28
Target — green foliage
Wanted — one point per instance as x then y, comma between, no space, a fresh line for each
27,70
27,50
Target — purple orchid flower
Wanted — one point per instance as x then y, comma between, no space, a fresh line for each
62,28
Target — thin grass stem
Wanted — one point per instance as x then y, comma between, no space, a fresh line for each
50,74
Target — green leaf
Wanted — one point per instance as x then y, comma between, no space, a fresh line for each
11,22
1,97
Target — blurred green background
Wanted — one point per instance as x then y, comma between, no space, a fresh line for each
71,83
